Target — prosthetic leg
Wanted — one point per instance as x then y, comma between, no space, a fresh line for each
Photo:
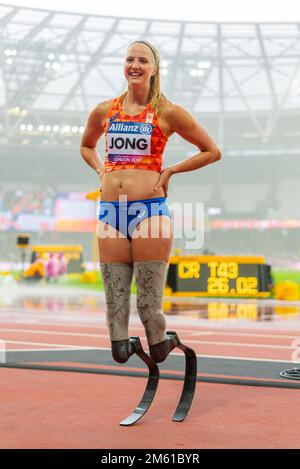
117,280
150,280
159,352
151,387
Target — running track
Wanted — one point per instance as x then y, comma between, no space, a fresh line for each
43,409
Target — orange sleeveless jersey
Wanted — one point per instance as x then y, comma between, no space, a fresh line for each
133,142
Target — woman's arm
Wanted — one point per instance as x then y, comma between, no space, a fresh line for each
185,125
93,131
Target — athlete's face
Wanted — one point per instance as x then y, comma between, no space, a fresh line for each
139,64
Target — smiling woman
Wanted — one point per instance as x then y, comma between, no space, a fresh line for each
135,227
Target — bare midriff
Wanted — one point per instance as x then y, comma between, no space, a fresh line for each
136,184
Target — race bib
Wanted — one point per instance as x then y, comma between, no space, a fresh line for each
129,142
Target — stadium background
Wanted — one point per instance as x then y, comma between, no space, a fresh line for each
242,81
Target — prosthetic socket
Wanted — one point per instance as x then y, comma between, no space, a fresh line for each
117,280
150,281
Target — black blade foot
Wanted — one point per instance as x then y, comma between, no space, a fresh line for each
190,379
151,387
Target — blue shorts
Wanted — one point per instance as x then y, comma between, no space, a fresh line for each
125,216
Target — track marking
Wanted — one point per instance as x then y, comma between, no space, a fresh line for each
239,344
39,331
175,353
245,334
95,321
105,336
203,342
140,327
79,347
56,350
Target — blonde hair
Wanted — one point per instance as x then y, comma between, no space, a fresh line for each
155,95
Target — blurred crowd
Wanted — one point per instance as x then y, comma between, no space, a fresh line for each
30,201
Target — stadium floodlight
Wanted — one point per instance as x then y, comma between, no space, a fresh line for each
9,61
9,52
81,130
214,211
164,63
22,127
47,65
55,128
48,128
56,66
164,71
15,111
74,129
204,64
197,73
63,57
41,128
29,127
51,56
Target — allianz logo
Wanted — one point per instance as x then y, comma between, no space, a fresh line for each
145,129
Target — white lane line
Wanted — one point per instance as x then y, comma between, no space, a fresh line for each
176,354
39,331
192,331
105,336
77,334
56,350
246,358
246,334
239,344
50,345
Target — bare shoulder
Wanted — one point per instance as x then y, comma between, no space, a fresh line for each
165,108
100,110
95,124
187,126
176,115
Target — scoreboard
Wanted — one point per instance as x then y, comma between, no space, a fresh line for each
221,276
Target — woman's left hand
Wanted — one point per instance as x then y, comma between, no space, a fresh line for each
164,180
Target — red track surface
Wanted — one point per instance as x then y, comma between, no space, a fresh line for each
43,409
244,343
69,410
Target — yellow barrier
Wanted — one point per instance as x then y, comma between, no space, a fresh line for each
38,267
286,290
42,249
89,277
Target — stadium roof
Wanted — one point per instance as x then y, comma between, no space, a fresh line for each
242,79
